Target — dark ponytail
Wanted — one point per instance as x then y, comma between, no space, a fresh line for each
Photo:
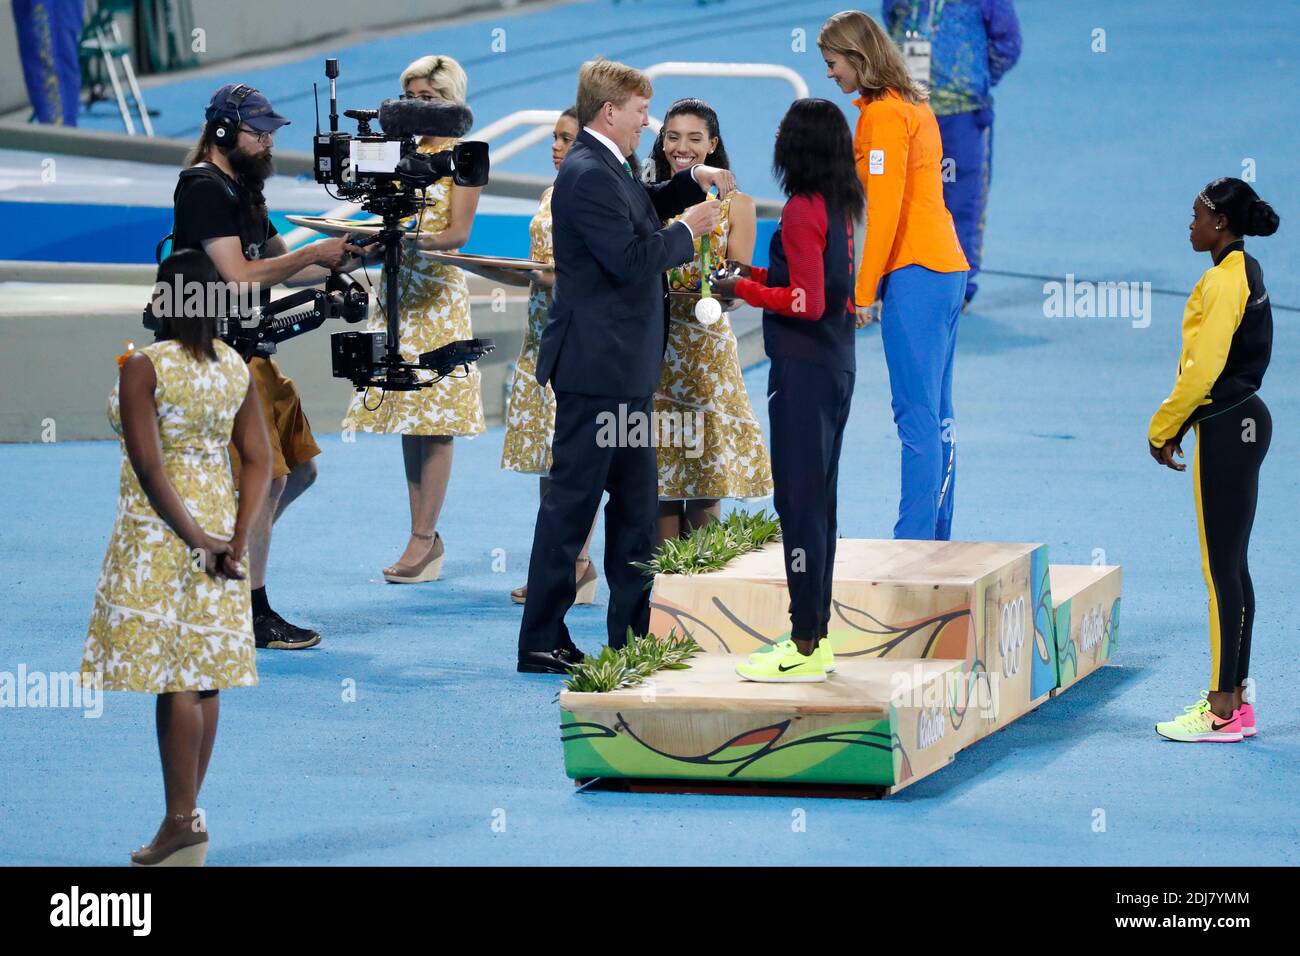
1263,220
1247,214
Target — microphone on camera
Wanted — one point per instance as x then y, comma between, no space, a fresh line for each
402,118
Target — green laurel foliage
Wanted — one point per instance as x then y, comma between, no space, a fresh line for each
710,548
633,663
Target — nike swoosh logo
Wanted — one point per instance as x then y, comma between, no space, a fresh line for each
782,668
1214,726
770,394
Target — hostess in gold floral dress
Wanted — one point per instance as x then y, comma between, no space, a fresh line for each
160,624
722,454
434,306
530,408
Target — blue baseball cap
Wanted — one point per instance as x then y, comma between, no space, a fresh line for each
254,109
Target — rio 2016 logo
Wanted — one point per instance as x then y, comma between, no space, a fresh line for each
930,725
1011,640
1091,629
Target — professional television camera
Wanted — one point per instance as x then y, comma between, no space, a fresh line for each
386,170
387,174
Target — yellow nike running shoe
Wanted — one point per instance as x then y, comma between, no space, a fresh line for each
823,648
1198,724
784,665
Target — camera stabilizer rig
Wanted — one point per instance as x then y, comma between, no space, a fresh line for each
257,329
387,175
296,314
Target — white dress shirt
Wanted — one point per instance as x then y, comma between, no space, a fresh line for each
618,154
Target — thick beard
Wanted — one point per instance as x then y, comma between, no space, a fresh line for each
252,172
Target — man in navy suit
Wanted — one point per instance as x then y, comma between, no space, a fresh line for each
601,351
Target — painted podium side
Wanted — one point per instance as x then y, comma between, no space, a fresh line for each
937,644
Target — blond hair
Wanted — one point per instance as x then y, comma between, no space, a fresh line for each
602,81
443,73
878,63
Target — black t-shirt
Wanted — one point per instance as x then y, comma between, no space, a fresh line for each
208,208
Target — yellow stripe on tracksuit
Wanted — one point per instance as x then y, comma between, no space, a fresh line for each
1216,635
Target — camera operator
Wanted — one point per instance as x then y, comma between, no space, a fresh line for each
220,209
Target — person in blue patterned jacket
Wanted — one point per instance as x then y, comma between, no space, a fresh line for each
972,45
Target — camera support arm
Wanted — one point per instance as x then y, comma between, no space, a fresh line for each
293,315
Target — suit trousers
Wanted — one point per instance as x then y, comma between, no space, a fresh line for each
593,452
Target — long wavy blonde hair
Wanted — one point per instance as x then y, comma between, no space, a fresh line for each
879,65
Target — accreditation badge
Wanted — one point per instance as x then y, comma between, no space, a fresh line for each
916,55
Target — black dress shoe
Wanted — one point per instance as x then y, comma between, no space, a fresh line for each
273,632
557,661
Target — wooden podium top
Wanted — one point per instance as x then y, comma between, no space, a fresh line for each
888,561
860,687
1069,579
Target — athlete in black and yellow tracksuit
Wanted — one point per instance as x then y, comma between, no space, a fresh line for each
1227,340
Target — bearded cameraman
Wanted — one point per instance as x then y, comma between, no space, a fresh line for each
220,209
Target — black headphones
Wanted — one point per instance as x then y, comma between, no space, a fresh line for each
225,131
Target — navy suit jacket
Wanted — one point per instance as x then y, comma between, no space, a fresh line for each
609,315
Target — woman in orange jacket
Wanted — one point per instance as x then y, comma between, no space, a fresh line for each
912,263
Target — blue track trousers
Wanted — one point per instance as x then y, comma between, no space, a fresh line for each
48,31
918,326
968,143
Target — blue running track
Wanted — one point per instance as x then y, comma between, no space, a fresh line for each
1098,157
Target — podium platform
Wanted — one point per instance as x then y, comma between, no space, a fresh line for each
874,723
937,644
1087,619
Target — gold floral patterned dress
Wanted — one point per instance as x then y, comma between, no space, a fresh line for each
724,455
434,306
530,408
159,623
